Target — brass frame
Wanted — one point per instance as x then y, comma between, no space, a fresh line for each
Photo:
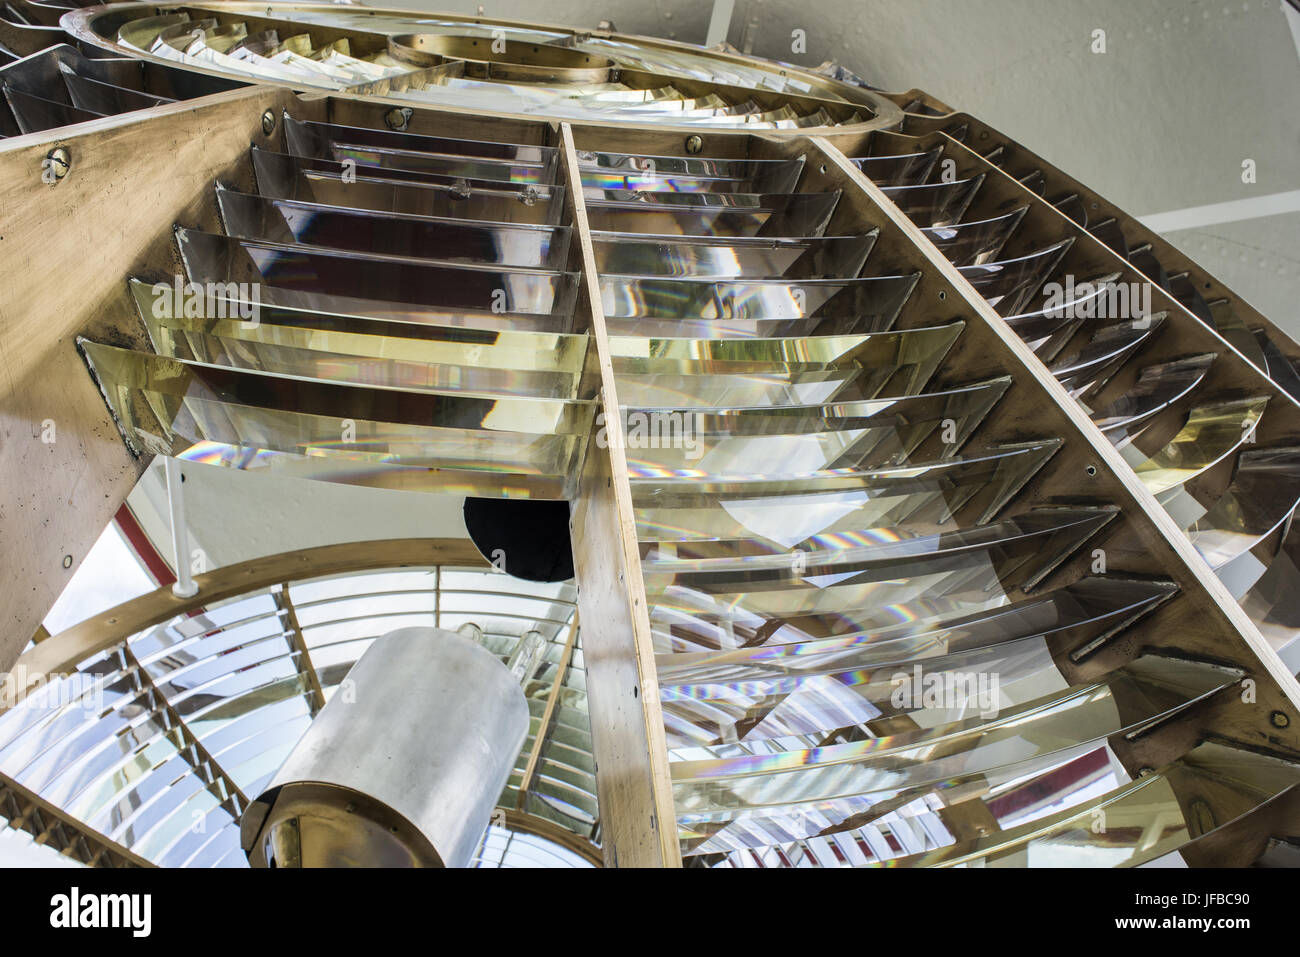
79,25
207,139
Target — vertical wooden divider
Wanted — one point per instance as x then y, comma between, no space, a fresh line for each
638,823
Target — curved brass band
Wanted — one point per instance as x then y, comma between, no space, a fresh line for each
59,654
810,89
548,830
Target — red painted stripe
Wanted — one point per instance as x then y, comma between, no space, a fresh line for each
139,541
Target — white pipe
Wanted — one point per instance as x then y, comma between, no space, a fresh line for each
527,657
1231,211
184,586
719,22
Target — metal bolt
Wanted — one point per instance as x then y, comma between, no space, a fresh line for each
58,162
1280,719
67,561
268,122
397,118
694,143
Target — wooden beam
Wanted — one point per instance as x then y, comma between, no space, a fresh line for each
638,821
548,714
66,251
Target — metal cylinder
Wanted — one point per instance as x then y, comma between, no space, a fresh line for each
402,767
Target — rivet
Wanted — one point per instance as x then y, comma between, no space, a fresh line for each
694,143
268,122
397,118
67,561
58,162
1279,719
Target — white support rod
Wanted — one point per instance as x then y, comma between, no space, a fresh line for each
184,586
719,22
1232,211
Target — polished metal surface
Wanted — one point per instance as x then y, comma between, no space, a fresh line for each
362,790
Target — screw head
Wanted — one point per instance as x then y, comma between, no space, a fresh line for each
397,118
58,163
1280,719
67,561
268,122
694,143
